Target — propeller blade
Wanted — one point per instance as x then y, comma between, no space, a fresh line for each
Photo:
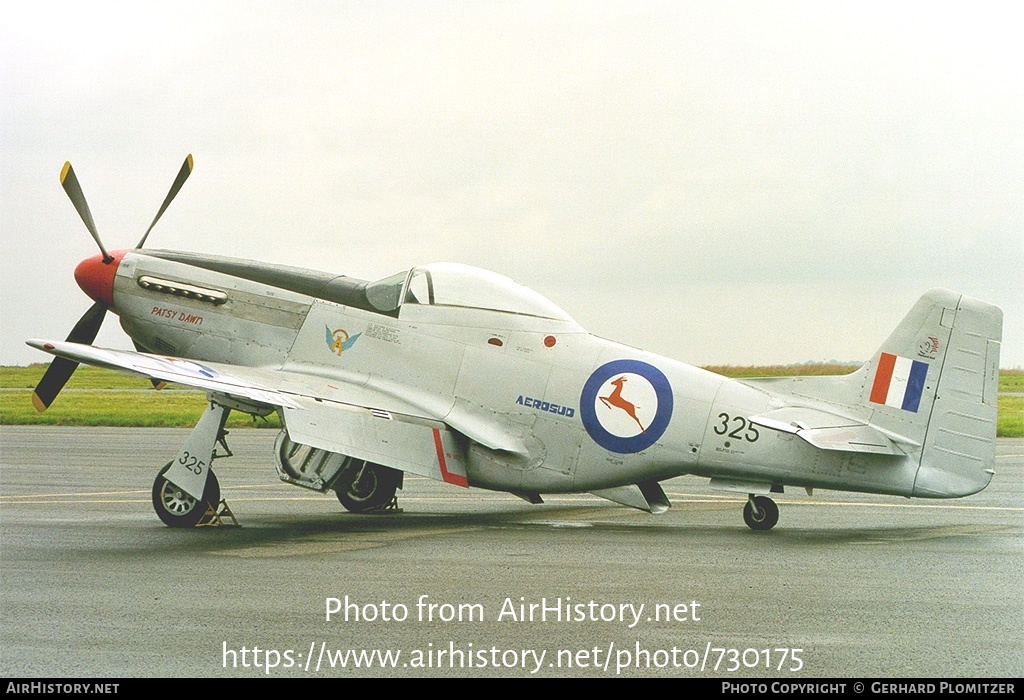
186,170
69,181
61,369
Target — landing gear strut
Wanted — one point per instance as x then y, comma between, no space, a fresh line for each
760,513
186,488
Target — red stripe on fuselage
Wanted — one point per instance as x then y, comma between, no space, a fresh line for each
446,475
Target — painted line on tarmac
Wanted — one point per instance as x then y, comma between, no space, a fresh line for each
21,499
89,497
693,498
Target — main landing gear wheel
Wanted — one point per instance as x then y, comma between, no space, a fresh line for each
178,509
363,486
760,513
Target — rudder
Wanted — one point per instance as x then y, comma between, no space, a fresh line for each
960,447
934,382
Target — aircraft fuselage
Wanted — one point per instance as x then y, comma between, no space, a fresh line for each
592,414
459,374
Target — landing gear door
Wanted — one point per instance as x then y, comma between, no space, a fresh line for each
408,443
189,469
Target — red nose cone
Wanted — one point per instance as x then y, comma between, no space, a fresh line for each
96,278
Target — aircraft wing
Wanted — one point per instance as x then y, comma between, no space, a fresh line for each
829,431
224,379
368,424
410,443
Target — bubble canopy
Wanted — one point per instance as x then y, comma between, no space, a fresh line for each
454,284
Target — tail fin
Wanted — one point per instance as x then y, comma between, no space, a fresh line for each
934,381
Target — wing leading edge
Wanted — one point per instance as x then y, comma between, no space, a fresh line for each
418,444
239,382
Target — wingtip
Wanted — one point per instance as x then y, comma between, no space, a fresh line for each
64,171
188,159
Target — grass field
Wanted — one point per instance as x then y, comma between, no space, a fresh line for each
97,396
102,397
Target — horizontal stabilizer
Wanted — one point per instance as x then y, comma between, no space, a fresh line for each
828,431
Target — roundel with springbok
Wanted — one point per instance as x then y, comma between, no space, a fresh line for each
626,405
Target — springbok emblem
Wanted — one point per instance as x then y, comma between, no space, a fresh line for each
603,408
615,400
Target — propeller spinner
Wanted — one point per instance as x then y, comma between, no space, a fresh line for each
95,276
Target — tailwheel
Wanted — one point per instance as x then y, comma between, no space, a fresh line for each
760,513
176,508
364,486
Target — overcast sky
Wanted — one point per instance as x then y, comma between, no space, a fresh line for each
744,183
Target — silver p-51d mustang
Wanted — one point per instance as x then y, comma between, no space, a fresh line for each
462,375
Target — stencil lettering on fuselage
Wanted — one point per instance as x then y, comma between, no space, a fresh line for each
626,405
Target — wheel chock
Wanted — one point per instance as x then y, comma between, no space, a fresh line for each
215,517
389,508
